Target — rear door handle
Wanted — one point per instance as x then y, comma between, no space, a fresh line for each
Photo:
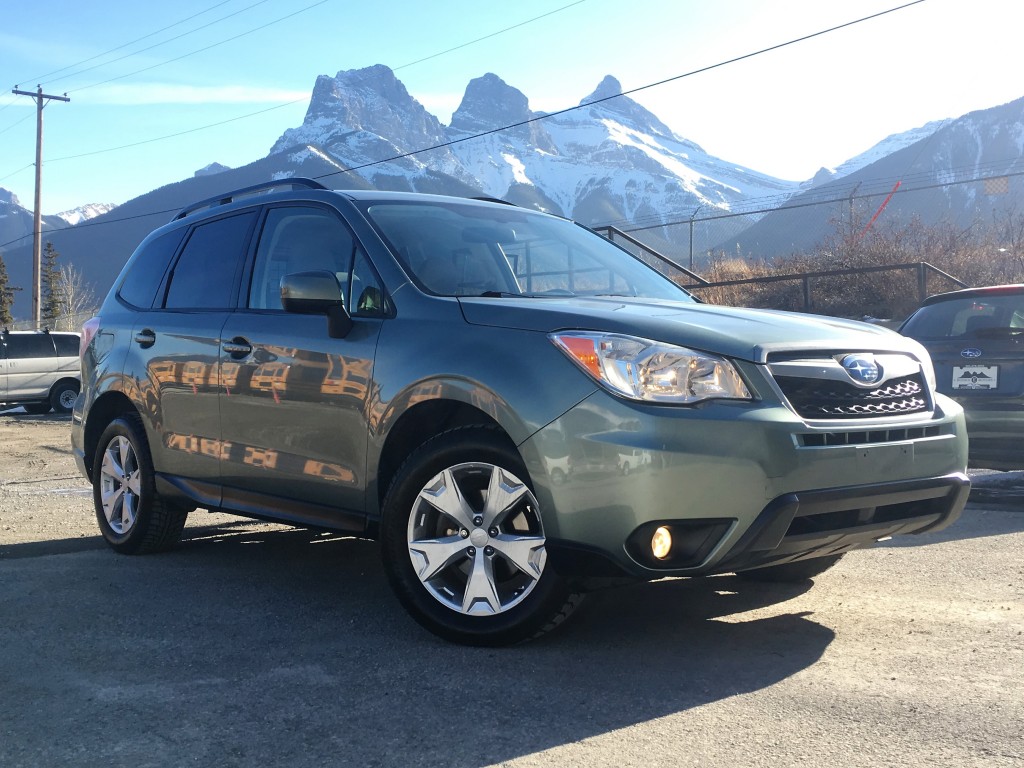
237,347
145,338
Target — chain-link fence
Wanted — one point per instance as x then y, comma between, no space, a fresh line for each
863,243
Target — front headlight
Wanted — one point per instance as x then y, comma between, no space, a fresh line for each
652,371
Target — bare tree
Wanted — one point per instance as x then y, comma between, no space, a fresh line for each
74,299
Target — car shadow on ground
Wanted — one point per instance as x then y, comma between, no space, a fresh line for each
287,647
975,522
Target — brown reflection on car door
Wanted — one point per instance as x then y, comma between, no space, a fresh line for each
294,407
173,359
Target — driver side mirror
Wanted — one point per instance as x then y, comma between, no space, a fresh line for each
317,293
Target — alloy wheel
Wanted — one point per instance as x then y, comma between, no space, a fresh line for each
476,540
120,485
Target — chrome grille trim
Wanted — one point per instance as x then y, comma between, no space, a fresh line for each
820,389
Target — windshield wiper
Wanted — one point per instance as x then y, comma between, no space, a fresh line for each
507,295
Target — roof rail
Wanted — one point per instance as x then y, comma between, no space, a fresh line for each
266,186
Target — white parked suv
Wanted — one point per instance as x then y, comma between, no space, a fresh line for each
39,370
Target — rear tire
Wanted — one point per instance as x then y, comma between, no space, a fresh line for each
463,543
132,517
791,573
63,396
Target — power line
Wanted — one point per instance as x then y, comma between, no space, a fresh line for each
15,173
157,45
829,201
667,80
606,98
838,199
15,123
290,103
179,133
39,78
209,47
488,37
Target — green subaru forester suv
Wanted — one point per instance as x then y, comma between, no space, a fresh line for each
513,406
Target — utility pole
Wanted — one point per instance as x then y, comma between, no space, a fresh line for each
37,220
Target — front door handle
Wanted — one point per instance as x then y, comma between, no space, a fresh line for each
237,347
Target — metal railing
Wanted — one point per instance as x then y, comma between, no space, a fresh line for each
922,268
651,256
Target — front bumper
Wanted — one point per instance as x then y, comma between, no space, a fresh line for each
741,485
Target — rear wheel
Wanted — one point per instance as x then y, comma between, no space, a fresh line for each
802,570
63,397
132,517
464,546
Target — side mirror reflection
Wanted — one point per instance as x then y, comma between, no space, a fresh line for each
317,293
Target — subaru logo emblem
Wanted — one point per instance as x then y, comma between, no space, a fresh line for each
862,369
970,353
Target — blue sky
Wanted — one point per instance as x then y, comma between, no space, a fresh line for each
786,112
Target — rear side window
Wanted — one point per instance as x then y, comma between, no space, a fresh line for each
147,270
204,276
29,345
66,343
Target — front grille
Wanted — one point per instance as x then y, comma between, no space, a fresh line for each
831,399
872,437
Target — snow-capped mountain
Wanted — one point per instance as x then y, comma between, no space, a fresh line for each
888,145
86,212
16,223
362,117
610,159
606,161
211,169
966,170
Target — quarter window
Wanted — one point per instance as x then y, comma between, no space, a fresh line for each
67,344
147,270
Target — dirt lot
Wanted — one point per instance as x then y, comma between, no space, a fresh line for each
253,644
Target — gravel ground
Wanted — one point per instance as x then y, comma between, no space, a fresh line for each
255,644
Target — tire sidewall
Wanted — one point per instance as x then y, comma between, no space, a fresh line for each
520,622
55,398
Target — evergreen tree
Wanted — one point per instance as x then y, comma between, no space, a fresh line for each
49,277
6,296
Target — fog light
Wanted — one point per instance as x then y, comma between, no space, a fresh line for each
661,543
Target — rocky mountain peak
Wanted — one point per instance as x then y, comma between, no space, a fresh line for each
370,100
489,103
608,87
8,198
625,110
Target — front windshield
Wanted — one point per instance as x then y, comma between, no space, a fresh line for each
466,249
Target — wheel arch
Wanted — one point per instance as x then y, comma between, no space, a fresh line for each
415,426
107,407
72,380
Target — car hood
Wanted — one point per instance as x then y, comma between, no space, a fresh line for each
747,334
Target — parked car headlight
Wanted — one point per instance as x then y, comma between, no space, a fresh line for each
652,371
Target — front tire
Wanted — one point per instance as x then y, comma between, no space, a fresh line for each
463,543
132,517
